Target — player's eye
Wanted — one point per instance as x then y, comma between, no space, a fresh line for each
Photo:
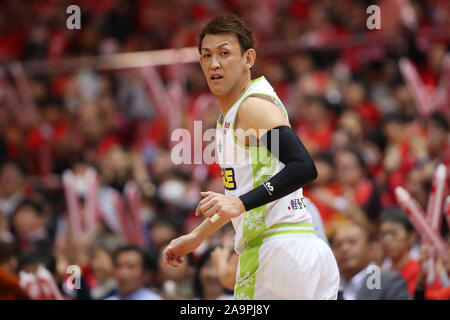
223,53
206,55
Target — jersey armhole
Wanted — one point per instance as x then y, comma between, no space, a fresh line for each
268,97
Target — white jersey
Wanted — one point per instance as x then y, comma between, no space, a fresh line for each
245,168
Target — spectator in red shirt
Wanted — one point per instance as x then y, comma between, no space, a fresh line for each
354,197
398,158
355,97
10,288
397,237
316,127
351,123
324,184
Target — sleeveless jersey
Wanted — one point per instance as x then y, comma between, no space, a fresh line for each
247,167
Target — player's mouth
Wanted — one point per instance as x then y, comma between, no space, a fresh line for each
216,77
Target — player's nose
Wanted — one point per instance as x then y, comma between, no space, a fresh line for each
214,63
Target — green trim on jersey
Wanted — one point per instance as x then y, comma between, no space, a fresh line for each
249,258
259,239
263,168
248,265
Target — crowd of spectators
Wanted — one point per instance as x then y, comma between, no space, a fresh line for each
349,104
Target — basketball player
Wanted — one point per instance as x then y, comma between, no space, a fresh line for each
280,257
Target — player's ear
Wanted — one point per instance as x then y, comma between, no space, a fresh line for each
249,58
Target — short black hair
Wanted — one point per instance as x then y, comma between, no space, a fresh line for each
107,242
397,215
145,259
324,156
356,153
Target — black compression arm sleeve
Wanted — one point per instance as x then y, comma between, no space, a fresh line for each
299,169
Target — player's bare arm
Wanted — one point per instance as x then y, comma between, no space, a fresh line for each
186,244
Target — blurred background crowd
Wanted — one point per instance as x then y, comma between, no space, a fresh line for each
342,87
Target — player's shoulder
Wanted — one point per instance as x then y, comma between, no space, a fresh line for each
256,100
256,105
259,113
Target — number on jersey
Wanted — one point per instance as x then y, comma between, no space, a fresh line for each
228,178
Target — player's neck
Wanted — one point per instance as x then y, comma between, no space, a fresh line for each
228,100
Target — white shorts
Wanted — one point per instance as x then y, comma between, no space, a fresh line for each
284,265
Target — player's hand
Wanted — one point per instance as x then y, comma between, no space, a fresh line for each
179,247
224,206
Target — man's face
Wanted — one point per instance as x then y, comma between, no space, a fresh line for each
348,170
11,180
350,247
395,239
26,220
102,265
222,62
129,272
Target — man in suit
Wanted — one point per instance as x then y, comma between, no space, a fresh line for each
361,279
